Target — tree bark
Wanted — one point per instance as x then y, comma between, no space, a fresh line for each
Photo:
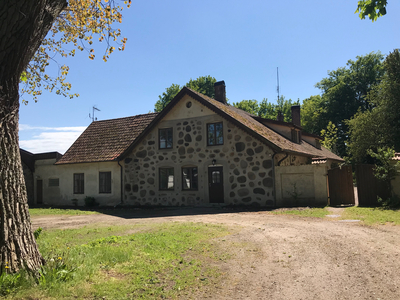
23,26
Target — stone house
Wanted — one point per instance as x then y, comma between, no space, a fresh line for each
197,151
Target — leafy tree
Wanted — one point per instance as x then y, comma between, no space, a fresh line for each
24,55
371,8
312,110
344,93
250,106
166,97
267,109
379,126
329,136
203,84
386,170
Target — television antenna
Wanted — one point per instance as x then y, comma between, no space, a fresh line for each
93,118
277,78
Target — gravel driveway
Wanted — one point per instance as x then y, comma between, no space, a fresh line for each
284,257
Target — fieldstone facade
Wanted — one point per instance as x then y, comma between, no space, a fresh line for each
247,162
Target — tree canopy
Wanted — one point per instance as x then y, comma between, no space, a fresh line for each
344,93
379,126
268,110
373,9
26,50
77,28
203,84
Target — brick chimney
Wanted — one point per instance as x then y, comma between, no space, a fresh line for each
219,91
296,115
280,116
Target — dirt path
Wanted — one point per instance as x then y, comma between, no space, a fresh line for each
285,257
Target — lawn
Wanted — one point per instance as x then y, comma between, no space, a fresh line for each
371,216
123,262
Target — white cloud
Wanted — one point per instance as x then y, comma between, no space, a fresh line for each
49,139
74,129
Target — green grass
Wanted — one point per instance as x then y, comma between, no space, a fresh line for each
304,212
57,211
371,216
124,262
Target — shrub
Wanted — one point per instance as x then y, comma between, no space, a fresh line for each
37,232
90,201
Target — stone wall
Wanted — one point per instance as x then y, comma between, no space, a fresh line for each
291,160
247,165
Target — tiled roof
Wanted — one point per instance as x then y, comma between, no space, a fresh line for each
277,141
106,140
111,139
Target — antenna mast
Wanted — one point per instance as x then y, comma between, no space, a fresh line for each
277,78
94,108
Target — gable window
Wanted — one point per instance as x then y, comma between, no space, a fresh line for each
104,182
165,138
189,178
215,134
79,183
166,178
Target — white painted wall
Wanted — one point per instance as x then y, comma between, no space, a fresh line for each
301,185
64,193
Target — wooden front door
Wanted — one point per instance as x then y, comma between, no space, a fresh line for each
216,184
39,191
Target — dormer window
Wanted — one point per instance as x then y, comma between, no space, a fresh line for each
296,136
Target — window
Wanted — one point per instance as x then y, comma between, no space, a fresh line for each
165,138
166,178
295,136
317,144
54,182
105,182
79,183
189,178
215,134
216,177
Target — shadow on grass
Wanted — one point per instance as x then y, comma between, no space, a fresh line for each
129,212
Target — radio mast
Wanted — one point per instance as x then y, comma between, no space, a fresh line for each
277,78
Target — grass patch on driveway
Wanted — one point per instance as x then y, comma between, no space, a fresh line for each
371,216
58,211
303,212
154,261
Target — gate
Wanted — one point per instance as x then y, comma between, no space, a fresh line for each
341,190
369,187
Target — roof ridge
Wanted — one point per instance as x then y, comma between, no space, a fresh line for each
135,116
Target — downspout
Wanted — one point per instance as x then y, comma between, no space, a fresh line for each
279,162
122,195
273,172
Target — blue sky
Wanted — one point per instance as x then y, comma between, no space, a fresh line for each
240,42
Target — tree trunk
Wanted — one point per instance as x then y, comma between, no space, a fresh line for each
23,26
